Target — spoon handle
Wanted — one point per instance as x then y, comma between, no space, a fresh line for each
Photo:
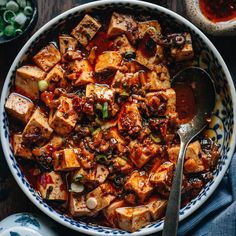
173,206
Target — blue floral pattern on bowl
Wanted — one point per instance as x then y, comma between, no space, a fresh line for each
206,56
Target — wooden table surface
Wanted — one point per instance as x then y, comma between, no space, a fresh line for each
12,199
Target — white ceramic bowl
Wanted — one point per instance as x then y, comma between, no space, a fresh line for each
222,127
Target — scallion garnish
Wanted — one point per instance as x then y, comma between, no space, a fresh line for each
8,16
105,110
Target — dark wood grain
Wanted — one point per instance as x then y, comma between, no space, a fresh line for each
12,199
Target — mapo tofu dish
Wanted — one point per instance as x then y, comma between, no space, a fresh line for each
93,121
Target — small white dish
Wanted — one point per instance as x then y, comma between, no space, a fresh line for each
195,15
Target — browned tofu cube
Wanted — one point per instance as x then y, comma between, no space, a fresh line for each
55,74
110,212
123,24
67,43
108,61
65,160
47,57
86,30
140,153
149,57
157,207
63,120
19,107
37,128
132,218
162,177
156,80
185,52
143,27
77,206
129,119
82,72
52,187
19,148
140,185
122,45
27,78
87,177
167,97
102,196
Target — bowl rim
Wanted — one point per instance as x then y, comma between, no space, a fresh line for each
5,142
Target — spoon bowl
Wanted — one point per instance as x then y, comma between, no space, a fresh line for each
204,95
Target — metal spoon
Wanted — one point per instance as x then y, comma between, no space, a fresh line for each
204,94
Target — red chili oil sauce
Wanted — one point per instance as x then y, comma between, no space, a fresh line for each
218,10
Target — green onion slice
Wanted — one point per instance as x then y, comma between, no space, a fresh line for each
20,19
9,31
155,139
96,131
105,110
28,11
19,31
12,6
98,106
79,177
42,85
22,3
1,33
8,16
124,94
130,55
101,158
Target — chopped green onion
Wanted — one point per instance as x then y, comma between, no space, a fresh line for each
79,177
13,6
8,16
9,31
124,94
99,106
129,55
1,33
20,19
42,85
28,11
96,131
3,3
125,158
76,188
19,31
98,121
155,139
22,3
101,158
105,110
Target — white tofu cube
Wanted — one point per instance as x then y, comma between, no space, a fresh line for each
47,57
27,78
101,173
52,187
19,148
132,218
86,30
108,61
64,118
37,128
19,107
55,74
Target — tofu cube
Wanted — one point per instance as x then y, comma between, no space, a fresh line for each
19,148
162,177
110,212
129,119
19,107
86,30
27,78
123,24
140,185
143,26
101,173
55,74
132,218
140,153
67,43
122,44
47,57
108,61
149,58
104,195
37,128
65,160
52,187
157,207
77,206
183,53
82,72
64,118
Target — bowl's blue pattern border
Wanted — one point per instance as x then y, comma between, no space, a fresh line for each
223,111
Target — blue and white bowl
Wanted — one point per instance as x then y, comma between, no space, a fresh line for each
221,128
